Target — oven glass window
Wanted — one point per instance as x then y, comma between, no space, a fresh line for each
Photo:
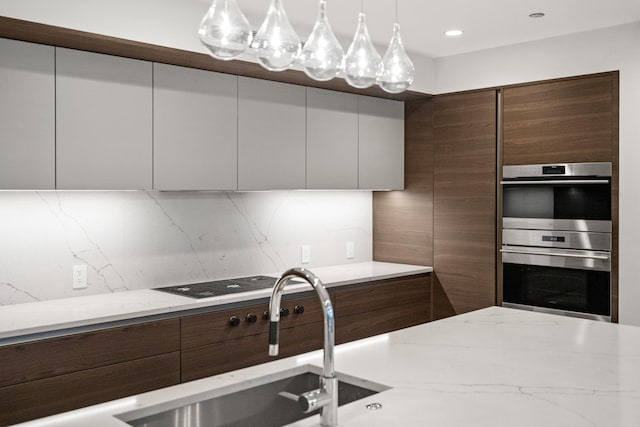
583,291
558,201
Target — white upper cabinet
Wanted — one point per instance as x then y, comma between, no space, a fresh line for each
271,135
104,121
332,140
27,116
381,144
195,122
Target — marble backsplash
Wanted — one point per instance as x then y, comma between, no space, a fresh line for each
142,239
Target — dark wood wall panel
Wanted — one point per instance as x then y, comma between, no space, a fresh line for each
561,121
403,220
35,399
464,202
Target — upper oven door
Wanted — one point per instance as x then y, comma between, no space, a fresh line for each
556,201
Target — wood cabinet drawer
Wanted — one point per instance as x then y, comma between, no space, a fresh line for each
377,296
214,327
58,356
252,350
358,326
35,399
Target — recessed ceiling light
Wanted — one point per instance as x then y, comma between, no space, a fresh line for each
453,33
536,15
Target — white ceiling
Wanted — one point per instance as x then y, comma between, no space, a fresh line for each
487,24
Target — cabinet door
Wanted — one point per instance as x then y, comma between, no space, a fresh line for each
103,119
271,135
558,122
381,144
27,116
195,123
380,307
464,203
332,140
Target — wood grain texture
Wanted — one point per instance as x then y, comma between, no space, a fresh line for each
615,197
210,328
204,361
57,356
560,121
391,318
57,36
35,399
382,295
403,220
464,202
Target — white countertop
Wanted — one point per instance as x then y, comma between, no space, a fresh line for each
46,316
493,367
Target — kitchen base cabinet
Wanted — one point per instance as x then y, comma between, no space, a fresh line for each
376,308
45,377
35,399
224,340
252,350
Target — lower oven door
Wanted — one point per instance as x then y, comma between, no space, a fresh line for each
570,282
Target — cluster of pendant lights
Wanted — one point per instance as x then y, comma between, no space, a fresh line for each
226,33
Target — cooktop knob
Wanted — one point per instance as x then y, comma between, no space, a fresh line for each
252,318
234,321
265,315
298,309
284,312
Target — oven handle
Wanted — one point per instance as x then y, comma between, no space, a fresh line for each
511,251
558,181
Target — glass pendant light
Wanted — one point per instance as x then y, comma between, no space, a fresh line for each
362,63
224,30
397,68
276,44
322,54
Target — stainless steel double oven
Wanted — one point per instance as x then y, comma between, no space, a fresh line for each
556,238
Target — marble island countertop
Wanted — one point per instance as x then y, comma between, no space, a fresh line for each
492,367
47,317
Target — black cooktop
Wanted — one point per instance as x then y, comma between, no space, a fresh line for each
221,287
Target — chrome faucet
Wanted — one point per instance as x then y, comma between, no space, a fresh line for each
324,398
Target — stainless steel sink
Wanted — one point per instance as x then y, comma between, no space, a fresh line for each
267,402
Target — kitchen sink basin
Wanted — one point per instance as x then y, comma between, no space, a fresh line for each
269,401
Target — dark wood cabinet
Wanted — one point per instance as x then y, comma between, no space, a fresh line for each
565,121
60,374
464,203
403,220
41,378
380,307
211,345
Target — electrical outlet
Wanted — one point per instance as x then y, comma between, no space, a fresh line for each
351,250
305,254
79,276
